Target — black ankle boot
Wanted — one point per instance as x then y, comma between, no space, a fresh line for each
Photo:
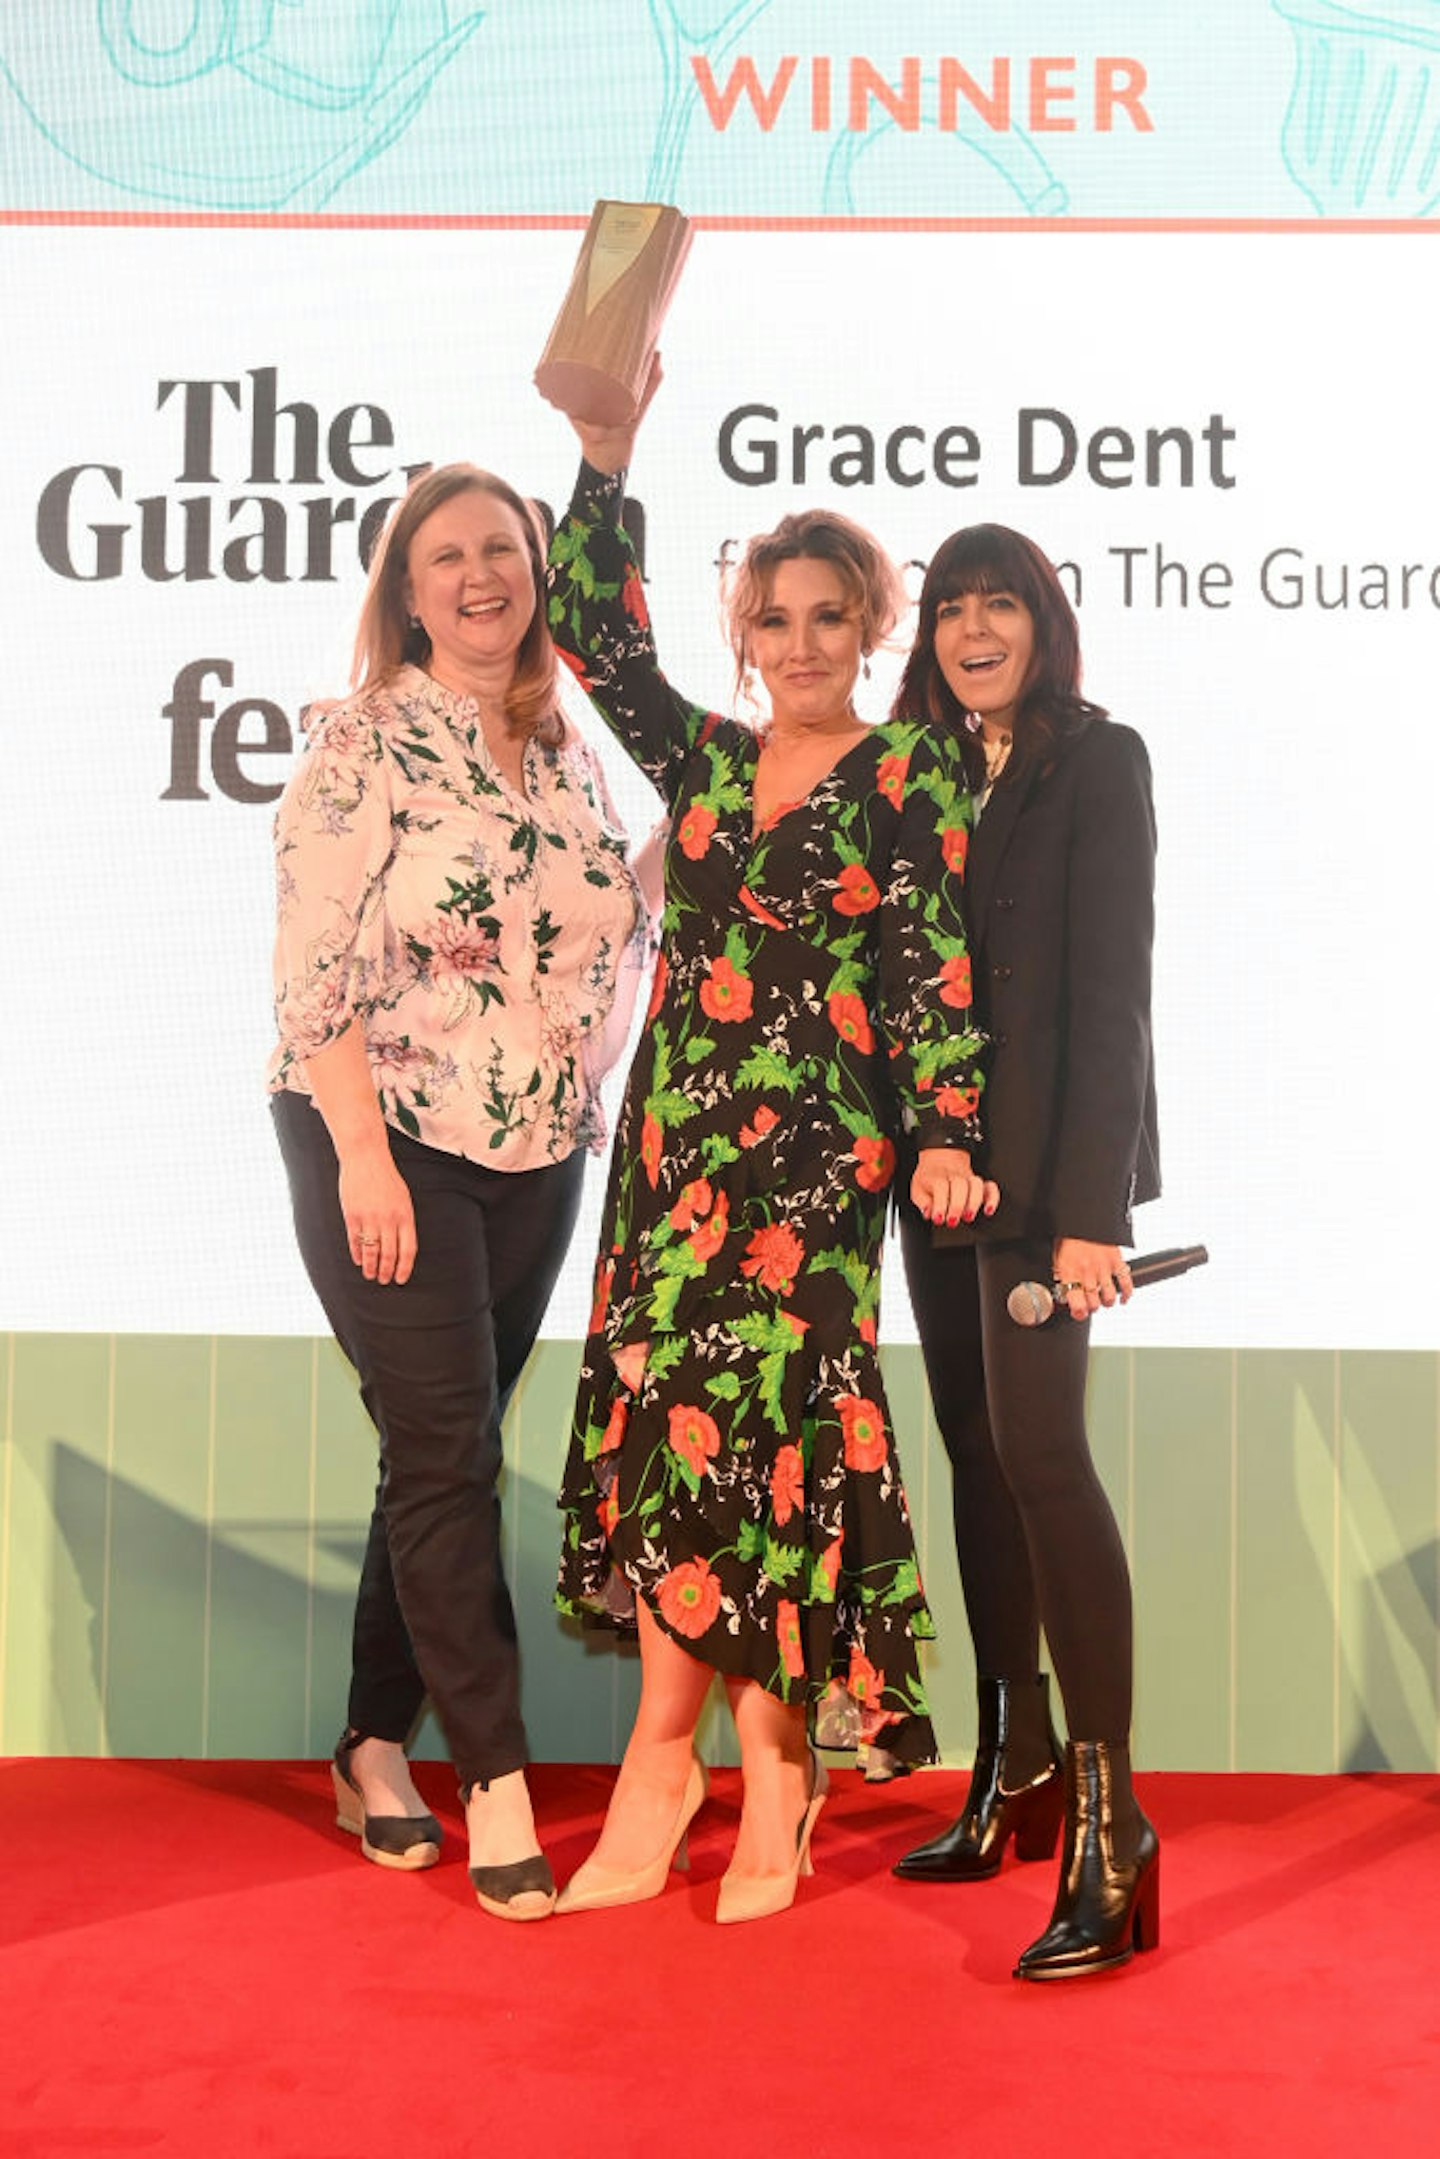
996,1809
1106,1907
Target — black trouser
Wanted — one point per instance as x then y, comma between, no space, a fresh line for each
437,1359
1035,1534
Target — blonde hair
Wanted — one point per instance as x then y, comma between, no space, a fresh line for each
870,579
386,639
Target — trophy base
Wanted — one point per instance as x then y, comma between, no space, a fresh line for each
586,393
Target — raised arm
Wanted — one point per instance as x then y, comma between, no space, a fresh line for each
599,619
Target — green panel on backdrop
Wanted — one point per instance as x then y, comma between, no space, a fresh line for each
1389,1589
1180,1557
56,1543
1285,1574
159,1545
184,1518
261,1561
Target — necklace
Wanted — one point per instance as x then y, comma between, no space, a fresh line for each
996,754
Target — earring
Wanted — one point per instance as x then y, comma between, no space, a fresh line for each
416,623
865,667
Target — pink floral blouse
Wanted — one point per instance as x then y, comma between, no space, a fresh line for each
477,935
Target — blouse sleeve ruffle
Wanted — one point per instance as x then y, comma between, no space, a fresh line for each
332,843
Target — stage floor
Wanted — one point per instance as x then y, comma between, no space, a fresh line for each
194,1961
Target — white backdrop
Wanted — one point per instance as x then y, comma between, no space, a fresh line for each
1293,745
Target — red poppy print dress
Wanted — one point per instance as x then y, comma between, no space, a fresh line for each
813,990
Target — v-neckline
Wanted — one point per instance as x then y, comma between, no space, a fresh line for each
785,809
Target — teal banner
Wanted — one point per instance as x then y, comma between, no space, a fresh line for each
1271,110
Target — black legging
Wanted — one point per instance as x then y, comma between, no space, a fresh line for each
1034,1532
438,1358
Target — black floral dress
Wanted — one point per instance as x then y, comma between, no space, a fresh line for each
813,989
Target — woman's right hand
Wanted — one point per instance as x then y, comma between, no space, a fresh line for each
947,1189
379,1217
374,1197
1088,1275
610,449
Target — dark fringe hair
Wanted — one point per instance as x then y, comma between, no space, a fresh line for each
994,558
384,639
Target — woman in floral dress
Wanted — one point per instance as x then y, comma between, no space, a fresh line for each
732,1488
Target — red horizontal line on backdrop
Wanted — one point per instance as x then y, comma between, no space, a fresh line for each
575,222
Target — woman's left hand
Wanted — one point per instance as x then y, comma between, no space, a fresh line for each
946,1189
1089,1275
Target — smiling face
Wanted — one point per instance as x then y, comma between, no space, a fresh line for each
808,642
471,583
984,643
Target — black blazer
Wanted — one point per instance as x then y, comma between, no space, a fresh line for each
1060,890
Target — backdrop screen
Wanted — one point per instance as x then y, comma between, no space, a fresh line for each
1154,293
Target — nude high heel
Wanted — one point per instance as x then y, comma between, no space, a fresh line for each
594,1888
758,1896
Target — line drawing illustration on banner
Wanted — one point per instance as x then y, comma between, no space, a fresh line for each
1362,133
681,31
229,104
1013,156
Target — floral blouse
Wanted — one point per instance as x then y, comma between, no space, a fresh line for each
476,934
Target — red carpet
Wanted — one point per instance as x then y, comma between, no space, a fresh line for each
193,1962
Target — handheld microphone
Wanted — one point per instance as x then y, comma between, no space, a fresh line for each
1032,1304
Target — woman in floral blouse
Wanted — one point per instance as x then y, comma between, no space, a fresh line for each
455,909
732,1487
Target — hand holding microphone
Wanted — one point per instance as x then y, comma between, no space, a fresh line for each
1033,1304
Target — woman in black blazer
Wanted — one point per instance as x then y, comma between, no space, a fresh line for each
1060,885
